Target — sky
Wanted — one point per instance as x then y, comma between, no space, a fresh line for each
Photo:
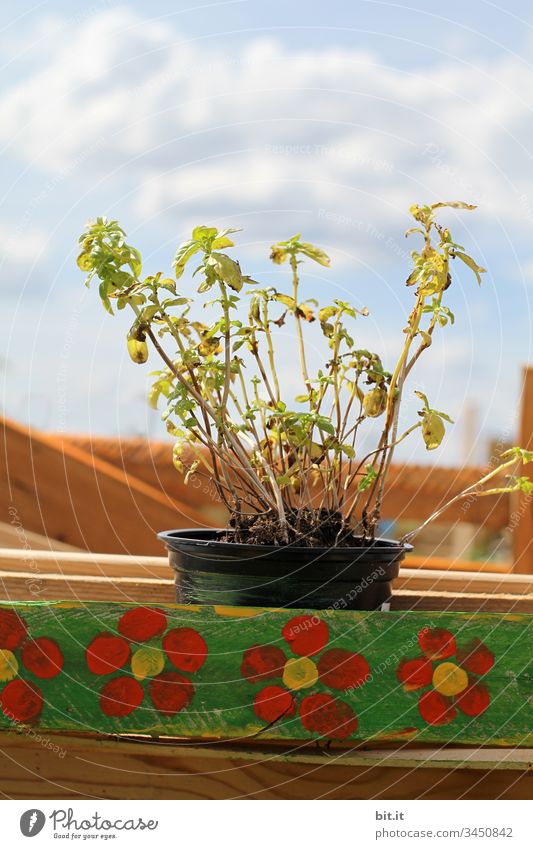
325,119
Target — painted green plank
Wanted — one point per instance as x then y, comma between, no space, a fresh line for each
236,673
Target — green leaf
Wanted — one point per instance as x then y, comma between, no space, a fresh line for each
317,254
183,255
433,430
325,425
368,479
423,398
85,261
521,454
477,269
149,312
205,286
168,284
103,289
284,299
202,232
222,242
453,204
348,450
228,270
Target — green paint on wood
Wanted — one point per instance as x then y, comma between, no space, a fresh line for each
233,673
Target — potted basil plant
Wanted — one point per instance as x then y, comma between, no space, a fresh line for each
304,499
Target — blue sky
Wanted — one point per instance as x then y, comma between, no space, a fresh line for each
330,119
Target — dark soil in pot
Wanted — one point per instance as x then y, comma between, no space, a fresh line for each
210,570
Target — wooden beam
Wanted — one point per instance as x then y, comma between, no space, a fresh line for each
81,767
116,566
61,492
234,673
456,564
522,511
26,586
13,535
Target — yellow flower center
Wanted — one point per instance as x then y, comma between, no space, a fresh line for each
8,665
300,672
147,662
449,679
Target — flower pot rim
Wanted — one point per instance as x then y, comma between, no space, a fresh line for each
207,538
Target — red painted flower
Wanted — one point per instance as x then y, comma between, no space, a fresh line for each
453,673
130,654
338,669
22,700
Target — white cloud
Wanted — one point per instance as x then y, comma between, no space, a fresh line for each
21,247
262,126
115,113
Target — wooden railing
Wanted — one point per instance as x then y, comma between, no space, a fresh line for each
48,575
196,754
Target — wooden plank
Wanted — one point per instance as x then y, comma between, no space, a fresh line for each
14,535
238,673
463,602
459,582
68,767
522,509
86,563
127,566
60,492
456,564
26,586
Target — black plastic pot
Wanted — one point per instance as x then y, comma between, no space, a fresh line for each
209,571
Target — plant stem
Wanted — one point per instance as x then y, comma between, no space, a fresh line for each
469,490
298,321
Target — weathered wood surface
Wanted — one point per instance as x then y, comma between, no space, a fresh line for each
143,566
57,490
34,766
14,535
522,505
49,586
242,673
46,576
